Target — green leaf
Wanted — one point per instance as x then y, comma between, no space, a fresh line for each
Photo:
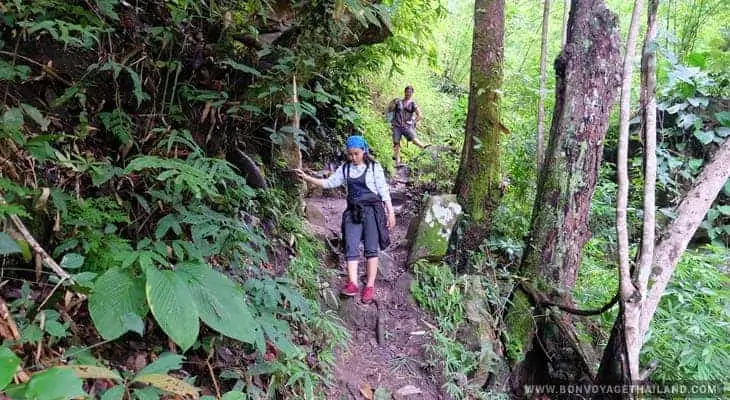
13,118
704,136
698,101
726,188
233,396
134,323
54,383
15,392
8,245
55,328
8,366
697,60
148,393
85,279
172,305
79,356
381,393
219,301
72,261
115,393
32,333
165,224
36,116
166,363
723,117
116,294
10,72
139,93
241,67
725,210
106,7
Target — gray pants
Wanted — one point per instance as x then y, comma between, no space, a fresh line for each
408,131
367,232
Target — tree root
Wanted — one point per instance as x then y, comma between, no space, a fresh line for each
379,324
540,299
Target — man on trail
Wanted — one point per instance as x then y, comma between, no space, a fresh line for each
404,114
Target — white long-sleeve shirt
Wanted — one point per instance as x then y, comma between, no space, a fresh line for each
374,180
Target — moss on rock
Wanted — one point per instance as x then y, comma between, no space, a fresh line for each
430,239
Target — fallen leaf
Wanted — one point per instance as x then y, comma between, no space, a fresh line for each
366,391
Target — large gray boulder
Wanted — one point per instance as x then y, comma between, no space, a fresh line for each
429,237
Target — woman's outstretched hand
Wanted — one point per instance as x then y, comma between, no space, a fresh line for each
391,220
300,174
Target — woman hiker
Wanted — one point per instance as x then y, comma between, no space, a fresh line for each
369,214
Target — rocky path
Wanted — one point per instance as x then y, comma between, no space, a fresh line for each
396,368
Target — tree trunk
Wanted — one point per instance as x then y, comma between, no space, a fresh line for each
477,183
690,213
629,307
566,13
587,79
620,361
541,97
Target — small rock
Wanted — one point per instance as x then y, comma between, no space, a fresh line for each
315,216
408,390
387,265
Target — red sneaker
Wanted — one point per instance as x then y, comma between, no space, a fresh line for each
350,289
368,294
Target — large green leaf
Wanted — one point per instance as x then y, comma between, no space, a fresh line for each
173,307
219,301
704,136
54,383
8,245
166,363
115,296
724,118
115,393
8,366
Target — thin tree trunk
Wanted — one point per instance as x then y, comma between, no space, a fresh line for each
690,213
628,301
587,78
541,98
616,362
648,106
478,179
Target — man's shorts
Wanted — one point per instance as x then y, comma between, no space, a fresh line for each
408,131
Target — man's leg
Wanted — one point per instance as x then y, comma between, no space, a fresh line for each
419,143
411,135
396,144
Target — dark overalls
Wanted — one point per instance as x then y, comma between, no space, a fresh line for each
363,219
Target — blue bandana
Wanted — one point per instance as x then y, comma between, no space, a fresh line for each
357,142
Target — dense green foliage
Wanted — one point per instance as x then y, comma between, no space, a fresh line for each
118,139
693,98
140,107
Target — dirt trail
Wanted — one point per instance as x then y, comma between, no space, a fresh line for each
399,362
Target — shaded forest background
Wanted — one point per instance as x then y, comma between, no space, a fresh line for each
146,146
